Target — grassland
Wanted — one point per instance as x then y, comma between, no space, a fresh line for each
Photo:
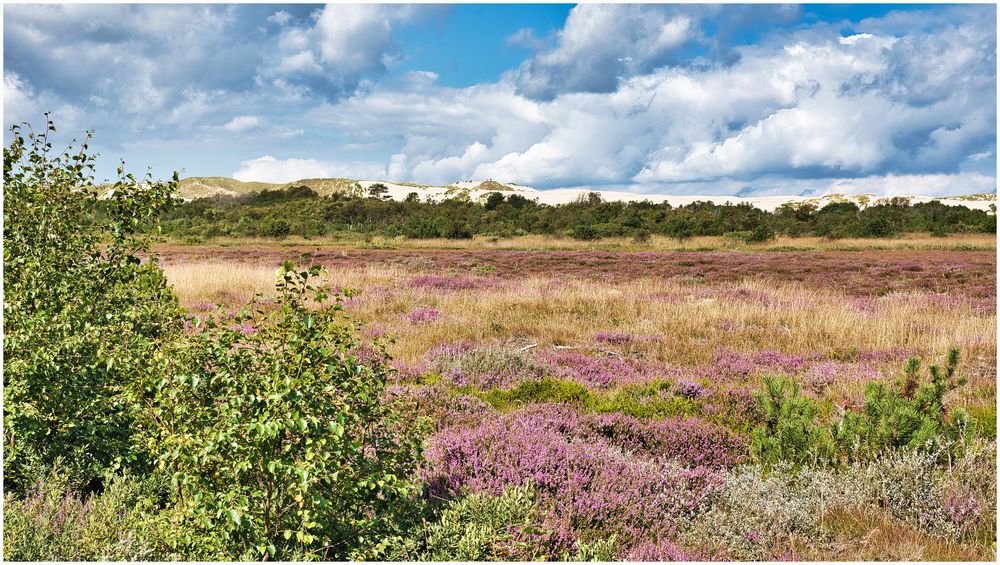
486,334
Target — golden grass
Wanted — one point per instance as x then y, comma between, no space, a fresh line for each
689,325
866,535
655,243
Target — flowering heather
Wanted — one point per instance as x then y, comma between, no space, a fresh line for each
962,506
203,306
351,303
443,283
406,372
423,315
741,365
667,550
375,333
587,485
690,389
244,328
599,372
883,270
369,355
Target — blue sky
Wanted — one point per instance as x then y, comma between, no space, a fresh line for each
709,99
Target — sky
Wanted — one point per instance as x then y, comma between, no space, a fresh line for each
677,99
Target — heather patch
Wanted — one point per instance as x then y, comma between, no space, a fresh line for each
444,406
588,484
600,371
423,315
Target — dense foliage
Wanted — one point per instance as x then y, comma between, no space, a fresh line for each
274,435
912,415
262,438
81,312
301,212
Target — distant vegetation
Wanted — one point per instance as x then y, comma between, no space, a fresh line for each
301,211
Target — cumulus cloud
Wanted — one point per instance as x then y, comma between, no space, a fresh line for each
343,44
601,44
271,169
655,98
813,106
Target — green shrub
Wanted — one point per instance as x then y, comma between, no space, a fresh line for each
277,227
477,527
52,522
536,391
82,312
913,416
761,233
274,436
651,400
789,432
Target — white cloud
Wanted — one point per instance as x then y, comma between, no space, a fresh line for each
599,44
240,124
280,17
343,44
612,99
270,169
812,106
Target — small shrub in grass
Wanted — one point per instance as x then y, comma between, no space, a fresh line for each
53,522
277,442
478,527
789,432
657,399
912,415
486,367
536,391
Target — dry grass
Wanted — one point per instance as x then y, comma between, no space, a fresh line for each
655,243
690,319
864,535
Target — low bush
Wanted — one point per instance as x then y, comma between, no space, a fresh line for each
53,522
536,391
789,432
274,436
477,527
912,415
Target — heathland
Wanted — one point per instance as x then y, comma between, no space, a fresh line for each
659,394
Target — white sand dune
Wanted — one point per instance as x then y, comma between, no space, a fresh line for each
566,195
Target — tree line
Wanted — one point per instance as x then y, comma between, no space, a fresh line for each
302,212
